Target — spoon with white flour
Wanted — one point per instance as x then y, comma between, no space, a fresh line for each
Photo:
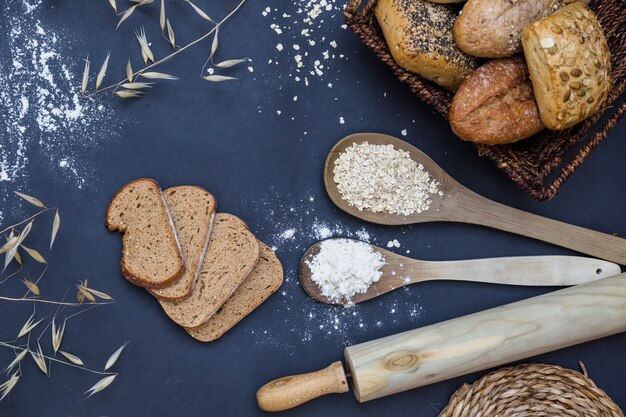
347,271
373,186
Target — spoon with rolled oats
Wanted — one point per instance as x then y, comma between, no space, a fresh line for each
385,180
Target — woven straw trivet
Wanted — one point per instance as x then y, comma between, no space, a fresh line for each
532,390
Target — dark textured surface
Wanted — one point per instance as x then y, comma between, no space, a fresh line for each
260,166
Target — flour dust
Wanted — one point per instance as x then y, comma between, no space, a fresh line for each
46,125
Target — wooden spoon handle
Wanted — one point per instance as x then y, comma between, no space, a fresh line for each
524,270
292,391
480,210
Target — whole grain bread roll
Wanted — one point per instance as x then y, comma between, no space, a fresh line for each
419,36
570,65
495,104
493,28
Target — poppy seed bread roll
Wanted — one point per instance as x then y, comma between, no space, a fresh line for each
419,36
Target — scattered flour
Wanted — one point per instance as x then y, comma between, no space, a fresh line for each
299,314
42,111
345,267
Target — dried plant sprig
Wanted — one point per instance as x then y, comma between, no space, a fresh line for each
32,200
57,335
177,51
12,252
200,12
7,386
40,359
218,78
34,254
129,93
146,52
32,287
16,361
115,356
83,86
28,326
11,242
136,85
103,71
215,42
113,5
129,71
162,16
170,34
231,63
158,76
126,15
83,286
56,224
101,385
72,358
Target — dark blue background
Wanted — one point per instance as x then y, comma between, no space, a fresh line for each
259,166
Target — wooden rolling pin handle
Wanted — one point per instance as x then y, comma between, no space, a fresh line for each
292,391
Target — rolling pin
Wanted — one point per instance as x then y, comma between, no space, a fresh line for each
461,346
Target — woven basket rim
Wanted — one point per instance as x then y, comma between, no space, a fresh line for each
531,389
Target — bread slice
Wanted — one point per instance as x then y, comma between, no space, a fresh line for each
263,281
151,254
193,210
233,252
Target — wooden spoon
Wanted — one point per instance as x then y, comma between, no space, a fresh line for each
459,204
399,271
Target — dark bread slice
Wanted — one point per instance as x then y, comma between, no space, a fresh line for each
263,281
151,254
233,252
193,210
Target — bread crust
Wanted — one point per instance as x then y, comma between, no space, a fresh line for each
495,104
128,274
174,309
419,36
570,65
187,293
207,332
493,28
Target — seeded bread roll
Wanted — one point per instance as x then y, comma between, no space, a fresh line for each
232,254
192,209
263,281
419,36
493,28
495,104
569,64
151,254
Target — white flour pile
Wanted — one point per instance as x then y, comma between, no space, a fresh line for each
290,228
381,178
41,109
345,267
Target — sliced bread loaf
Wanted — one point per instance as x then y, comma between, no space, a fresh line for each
151,254
263,281
192,209
233,252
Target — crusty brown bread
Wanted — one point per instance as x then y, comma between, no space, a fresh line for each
419,36
263,281
151,254
495,104
493,28
570,65
193,210
232,254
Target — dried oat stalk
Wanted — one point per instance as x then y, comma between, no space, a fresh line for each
127,88
17,240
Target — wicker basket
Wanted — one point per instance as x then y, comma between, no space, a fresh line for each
529,162
529,391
